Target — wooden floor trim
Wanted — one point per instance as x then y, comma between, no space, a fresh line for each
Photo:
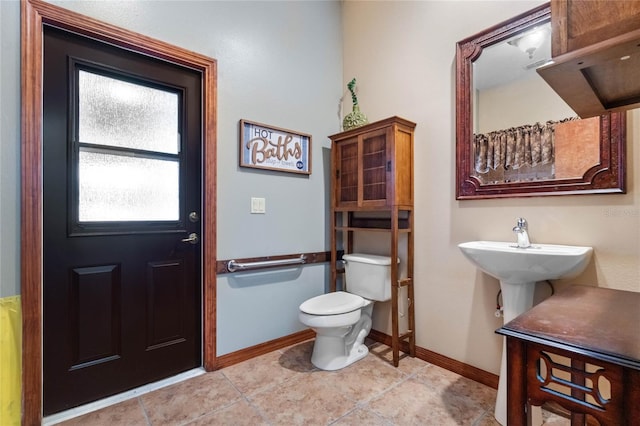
465,370
232,358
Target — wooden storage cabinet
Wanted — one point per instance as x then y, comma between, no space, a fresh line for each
596,55
578,23
372,174
373,165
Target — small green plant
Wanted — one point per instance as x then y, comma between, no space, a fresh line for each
351,86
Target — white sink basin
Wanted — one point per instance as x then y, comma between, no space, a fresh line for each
510,264
518,269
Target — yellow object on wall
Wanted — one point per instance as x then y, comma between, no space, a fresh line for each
10,360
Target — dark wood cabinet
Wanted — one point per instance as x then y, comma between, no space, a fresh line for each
596,55
577,24
372,190
579,349
373,165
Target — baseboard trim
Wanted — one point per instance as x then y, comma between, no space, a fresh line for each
262,348
465,370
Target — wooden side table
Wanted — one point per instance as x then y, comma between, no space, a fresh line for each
581,349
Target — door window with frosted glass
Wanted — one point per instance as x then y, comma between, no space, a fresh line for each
127,154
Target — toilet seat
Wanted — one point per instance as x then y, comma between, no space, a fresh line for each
334,303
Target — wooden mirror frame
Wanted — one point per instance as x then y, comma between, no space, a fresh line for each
606,177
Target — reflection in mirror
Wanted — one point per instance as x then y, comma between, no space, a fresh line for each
517,114
515,135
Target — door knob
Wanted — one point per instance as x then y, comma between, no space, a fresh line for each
192,238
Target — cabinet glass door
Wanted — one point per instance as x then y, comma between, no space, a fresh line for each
347,177
374,167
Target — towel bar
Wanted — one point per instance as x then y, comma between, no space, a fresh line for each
234,266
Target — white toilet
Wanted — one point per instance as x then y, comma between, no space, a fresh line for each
342,319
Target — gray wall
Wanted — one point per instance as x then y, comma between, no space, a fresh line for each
279,63
9,148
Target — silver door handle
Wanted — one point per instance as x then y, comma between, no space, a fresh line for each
192,238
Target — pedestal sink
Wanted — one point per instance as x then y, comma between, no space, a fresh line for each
518,269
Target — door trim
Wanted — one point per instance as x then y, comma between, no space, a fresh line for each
34,15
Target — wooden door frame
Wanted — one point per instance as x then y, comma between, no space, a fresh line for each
34,15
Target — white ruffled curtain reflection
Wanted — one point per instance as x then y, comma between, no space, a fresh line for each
513,148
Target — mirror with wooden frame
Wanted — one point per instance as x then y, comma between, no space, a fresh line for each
515,137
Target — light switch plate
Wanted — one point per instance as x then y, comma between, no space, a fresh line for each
257,205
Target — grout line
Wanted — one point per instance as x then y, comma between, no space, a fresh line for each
144,411
222,407
349,412
246,398
258,410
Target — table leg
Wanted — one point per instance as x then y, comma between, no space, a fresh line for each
577,419
516,382
632,396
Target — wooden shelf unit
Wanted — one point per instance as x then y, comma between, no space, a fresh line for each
596,55
372,191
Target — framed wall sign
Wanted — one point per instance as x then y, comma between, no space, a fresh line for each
273,148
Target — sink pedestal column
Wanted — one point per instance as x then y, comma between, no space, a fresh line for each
517,298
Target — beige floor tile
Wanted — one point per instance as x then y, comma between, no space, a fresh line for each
284,388
407,365
365,379
128,412
361,417
488,420
414,403
238,414
189,400
309,399
263,372
447,382
550,419
298,357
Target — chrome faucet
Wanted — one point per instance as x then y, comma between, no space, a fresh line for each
521,233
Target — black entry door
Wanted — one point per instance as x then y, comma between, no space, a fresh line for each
122,185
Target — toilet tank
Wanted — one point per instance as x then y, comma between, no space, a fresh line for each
368,275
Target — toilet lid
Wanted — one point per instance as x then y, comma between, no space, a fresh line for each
338,302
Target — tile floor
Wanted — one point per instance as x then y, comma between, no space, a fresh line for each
284,388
